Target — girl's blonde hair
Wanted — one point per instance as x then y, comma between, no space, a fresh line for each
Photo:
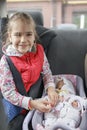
27,19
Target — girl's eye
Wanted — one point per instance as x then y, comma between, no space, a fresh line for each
20,34
29,34
17,34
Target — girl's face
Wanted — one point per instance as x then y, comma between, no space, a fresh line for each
22,36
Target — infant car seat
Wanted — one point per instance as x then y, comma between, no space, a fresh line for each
38,117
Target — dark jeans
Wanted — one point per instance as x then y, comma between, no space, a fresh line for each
16,123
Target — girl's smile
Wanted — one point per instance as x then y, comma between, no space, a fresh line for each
22,36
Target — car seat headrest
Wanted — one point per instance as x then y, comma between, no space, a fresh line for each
37,16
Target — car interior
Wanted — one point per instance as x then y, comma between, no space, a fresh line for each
66,52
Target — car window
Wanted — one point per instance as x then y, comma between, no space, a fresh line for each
58,14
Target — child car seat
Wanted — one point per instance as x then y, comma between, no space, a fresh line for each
38,117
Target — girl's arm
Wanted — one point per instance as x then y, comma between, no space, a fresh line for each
47,74
8,87
49,83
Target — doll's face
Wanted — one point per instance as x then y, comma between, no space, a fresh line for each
60,84
75,104
61,98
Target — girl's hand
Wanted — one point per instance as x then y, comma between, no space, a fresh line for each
53,96
42,105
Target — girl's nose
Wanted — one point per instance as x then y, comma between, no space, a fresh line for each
23,38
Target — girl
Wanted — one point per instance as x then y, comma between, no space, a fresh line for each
20,42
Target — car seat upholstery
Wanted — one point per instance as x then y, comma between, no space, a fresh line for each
3,119
38,17
66,52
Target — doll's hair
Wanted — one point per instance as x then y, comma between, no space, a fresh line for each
25,18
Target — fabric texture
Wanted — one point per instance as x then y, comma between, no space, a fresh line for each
11,110
45,36
16,123
86,69
3,117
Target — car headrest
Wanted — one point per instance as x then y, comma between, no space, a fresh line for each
38,17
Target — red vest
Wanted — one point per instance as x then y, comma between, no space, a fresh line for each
30,65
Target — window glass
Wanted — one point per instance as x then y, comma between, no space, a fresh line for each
56,13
